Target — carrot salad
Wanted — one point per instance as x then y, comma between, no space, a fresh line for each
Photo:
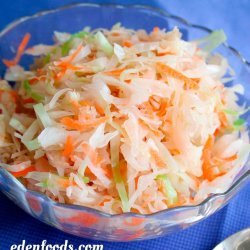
122,120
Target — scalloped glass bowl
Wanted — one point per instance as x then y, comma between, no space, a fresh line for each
83,221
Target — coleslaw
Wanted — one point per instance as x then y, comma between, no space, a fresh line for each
122,120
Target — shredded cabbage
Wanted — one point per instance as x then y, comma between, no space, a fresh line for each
169,191
103,43
42,115
115,163
17,125
213,40
37,97
123,120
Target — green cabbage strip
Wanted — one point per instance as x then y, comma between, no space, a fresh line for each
17,125
47,58
115,163
32,145
239,123
104,44
230,112
42,115
85,179
169,190
65,47
37,97
213,40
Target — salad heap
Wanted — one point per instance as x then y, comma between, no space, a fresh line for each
122,120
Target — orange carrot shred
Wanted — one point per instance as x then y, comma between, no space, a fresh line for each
115,34
165,69
164,53
156,29
163,108
231,158
223,119
28,100
115,72
99,109
19,53
76,125
76,52
24,172
108,171
68,149
206,157
158,161
65,183
85,103
127,43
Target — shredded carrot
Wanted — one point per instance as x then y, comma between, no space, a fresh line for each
73,55
231,158
165,69
28,100
66,64
99,109
174,151
65,183
85,103
154,103
206,157
123,169
115,34
115,72
217,160
156,29
223,119
158,161
127,43
60,74
36,79
33,80
20,51
108,171
68,149
76,125
163,108
209,167
164,53
89,174
128,81
136,181
24,172
92,154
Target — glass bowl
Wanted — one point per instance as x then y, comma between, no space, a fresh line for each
87,222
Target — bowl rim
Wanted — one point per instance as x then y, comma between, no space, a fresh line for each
158,10
237,184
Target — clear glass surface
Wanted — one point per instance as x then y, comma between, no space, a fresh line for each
87,222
